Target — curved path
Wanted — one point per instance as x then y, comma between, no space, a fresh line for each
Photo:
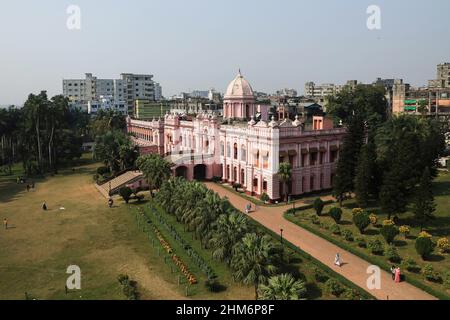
354,268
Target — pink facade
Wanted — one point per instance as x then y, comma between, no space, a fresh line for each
248,153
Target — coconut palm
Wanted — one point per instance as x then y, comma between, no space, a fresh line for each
229,229
253,260
285,175
155,169
282,287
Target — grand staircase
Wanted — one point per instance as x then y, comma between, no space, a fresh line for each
113,186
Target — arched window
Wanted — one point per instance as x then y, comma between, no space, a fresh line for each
235,151
228,150
243,153
222,148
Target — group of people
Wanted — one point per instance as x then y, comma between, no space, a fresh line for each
396,274
30,186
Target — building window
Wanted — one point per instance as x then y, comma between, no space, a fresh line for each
243,153
265,186
222,149
256,160
313,159
235,151
228,150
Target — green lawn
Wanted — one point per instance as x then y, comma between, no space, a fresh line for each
439,227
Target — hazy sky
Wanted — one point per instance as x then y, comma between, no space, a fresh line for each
198,44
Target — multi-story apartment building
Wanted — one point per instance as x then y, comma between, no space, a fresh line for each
245,151
158,92
129,88
107,103
291,93
435,97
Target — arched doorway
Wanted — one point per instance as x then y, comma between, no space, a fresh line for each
181,171
242,176
200,172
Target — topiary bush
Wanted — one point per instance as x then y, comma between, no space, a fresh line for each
392,254
125,193
332,286
389,232
424,245
411,265
361,241
336,214
315,219
405,231
376,247
335,229
318,206
431,275
348,235
361,221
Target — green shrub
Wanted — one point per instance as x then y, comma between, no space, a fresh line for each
335,229
389,232
362,243
348,235
325,225
265,197
376,247
102,170
361,221
431,275
315,220
392,254
411,265
336,214
447,280
424,247
318,206
332,286
351,294
125,193
129,287
320,275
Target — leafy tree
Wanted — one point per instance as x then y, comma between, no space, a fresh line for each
116,150
283,287
253,260
285,175
365,175
125,193
155,169
424,206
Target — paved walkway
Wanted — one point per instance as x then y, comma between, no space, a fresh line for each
354,268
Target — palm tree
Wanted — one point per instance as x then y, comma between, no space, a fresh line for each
229,229
283,287
155,169
285,175
253,259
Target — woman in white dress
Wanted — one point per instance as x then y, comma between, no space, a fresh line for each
337,260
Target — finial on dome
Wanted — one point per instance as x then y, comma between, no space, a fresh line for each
239,73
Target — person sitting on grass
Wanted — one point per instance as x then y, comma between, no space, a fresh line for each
44,206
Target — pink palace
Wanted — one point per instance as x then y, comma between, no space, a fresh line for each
243,150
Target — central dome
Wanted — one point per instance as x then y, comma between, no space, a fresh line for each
239,88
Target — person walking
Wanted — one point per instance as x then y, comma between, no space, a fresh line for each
110,202
5,223
393,268
397,275
28,188
337,260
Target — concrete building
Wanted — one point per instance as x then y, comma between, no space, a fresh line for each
245,151
148,109
291,93
107,103
128,88
158,92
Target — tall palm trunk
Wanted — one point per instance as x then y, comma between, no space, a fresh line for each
38,139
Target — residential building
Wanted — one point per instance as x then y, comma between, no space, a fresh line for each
158,92
291,93
244,150
148,109
107,103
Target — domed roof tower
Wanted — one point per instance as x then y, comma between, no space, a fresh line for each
239,99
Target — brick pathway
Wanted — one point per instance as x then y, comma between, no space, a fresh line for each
354,268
